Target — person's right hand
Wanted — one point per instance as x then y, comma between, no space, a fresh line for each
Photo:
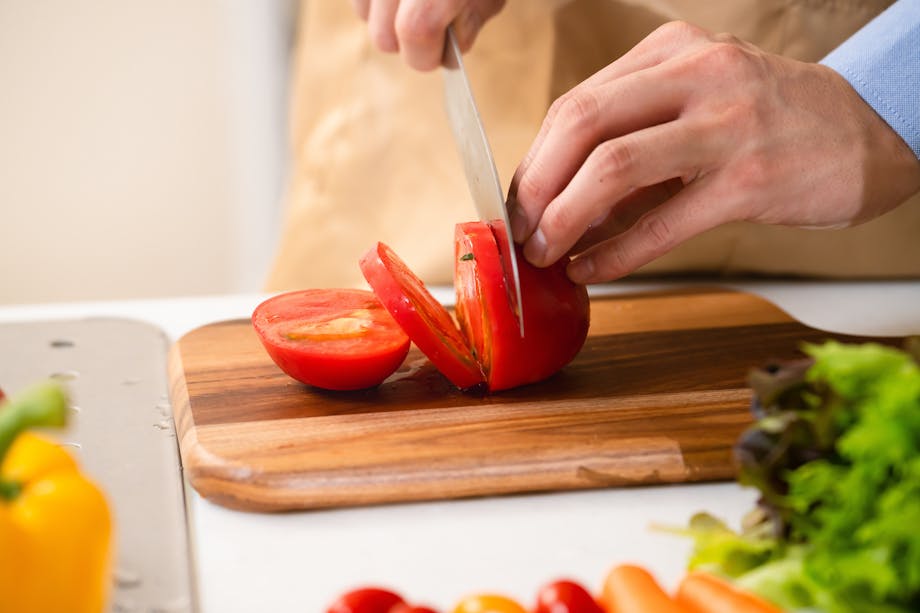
416,28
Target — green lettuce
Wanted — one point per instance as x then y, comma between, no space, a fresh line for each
835,455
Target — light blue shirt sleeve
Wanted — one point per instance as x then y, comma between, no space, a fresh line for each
882,62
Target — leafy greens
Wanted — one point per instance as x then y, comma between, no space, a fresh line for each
835,455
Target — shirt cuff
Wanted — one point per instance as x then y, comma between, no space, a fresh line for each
882,63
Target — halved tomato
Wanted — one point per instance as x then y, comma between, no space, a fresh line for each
337,339
488,345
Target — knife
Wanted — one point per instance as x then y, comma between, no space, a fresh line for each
478,163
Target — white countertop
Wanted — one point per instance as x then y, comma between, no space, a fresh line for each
436,552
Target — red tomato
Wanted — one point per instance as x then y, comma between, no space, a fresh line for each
566,597
424,319
488,346
405,608
367,600
338,339
556,311
488,603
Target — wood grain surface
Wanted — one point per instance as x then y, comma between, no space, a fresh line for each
657,395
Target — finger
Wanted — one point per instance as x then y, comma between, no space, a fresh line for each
362,8
421,26
380,24
689,213
625,213
670,40
594,115
471,18
615,169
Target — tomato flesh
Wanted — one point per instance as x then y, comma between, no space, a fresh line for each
423,318
337,339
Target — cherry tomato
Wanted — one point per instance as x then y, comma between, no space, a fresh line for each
405,608
566,597
338,339
488,346
556,311
488,603
424,319
367,600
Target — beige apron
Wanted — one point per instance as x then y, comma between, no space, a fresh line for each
373,159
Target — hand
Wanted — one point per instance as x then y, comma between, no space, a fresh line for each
416,28
690,130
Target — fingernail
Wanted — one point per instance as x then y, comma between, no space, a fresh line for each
518,224
581,270
535,249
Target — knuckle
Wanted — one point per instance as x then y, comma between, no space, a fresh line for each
614,158
613,262
532,190
726,37
656,229
579,111
557,220
726,55
677,30
557,104
417,26
734,61
383,39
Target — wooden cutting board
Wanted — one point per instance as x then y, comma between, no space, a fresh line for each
657,395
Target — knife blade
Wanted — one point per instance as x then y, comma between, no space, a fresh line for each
478,163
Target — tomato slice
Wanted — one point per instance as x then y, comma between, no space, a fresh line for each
424,319
337,339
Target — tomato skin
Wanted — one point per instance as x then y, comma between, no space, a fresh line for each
337,339
488,603
423,318
405,608
566,596
488,346
556,311
367,600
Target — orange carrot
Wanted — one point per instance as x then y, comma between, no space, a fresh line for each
631,589
701,592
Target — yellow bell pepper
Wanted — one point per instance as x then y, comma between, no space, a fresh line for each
55,525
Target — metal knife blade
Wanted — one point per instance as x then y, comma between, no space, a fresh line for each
478,163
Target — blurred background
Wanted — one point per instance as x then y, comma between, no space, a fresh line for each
142,146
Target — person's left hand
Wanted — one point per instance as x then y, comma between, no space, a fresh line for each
690,130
